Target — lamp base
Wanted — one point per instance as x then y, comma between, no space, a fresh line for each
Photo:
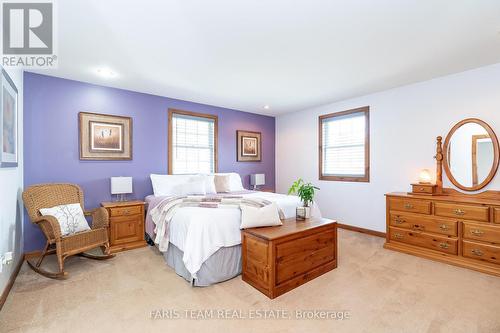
121,197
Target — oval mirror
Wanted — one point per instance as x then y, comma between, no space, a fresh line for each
471,154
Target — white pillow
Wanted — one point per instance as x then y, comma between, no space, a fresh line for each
235,182
192,187
164,185
209,182
70,218
252,217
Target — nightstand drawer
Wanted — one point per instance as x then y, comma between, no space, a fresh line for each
125,229
125,211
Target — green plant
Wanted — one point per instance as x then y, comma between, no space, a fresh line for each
305,191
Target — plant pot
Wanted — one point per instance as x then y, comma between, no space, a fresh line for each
303,213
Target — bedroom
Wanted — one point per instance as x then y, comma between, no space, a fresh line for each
256,84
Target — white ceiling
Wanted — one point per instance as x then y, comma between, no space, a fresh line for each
289,54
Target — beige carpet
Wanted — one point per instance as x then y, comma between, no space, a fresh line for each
383,291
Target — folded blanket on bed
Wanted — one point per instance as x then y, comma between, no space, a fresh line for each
162,214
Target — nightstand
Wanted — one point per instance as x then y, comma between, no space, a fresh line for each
126,224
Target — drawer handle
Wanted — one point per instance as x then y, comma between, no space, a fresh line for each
444,227
399,220
459,212
443,245
477,232
408,206
477,252
421,189
418,227
126,212
398,236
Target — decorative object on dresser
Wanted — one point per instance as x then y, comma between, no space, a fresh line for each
38,197
105,137
248,146
126,230
121,186
305,191
279,259
257,179
8,122
451,226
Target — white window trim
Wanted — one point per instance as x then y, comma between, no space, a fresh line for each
171,113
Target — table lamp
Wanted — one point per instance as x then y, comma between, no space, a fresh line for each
257,179
121,186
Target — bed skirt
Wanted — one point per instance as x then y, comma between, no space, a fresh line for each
223,265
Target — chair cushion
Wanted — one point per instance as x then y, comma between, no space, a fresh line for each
70,217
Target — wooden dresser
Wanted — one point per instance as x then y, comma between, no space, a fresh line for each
455,228
126,230
278,259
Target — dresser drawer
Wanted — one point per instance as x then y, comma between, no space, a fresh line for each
125,211
425,240
480,251
482,232
422,189
298,256
424,223
496,215
410,205
467,212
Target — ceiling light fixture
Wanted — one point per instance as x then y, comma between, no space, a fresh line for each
267,107
106,73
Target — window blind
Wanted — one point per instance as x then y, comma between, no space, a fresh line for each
193,144
343,145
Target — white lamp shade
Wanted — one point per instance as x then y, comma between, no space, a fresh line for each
258,179
121,185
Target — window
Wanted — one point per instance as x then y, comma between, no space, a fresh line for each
344,146
192,143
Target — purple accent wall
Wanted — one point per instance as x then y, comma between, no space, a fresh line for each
51,107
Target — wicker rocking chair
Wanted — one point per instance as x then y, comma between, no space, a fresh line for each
50,195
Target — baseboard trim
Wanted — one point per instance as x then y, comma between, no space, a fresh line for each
9,285
362,230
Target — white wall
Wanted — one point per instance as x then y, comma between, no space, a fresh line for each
404,123
11,186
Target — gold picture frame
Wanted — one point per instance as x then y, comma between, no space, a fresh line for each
105,137
248,146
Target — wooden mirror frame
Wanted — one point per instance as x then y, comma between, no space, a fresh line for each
496,149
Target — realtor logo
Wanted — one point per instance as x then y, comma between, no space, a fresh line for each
28,29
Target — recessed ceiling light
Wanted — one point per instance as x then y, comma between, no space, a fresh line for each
267,107
106,73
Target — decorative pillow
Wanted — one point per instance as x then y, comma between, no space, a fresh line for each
235,182
164,185
266,216
193,187
70,218
222,183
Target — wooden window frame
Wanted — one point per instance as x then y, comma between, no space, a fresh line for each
366,177
171,113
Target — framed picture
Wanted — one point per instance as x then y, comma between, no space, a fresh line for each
105,137
8,123
248,146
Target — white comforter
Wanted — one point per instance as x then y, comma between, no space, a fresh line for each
200,232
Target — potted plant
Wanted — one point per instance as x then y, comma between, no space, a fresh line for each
305,191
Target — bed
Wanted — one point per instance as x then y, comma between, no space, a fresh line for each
204,245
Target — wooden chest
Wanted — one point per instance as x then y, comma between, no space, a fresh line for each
278,259
456,229
126,225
